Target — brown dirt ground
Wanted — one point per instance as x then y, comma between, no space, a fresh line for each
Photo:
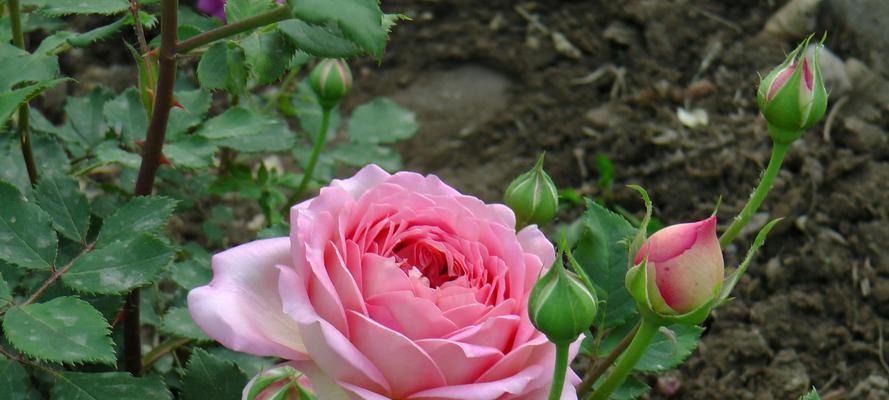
809,310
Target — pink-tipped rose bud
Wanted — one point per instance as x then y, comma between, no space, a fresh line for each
331,80
792,97
684,267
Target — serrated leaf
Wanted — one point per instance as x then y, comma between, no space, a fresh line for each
196,103
14,383
223,67
236,10
813,395
61,198
241,129
381,121
58,8
191,152
602,252
103,32
108,386
50,157
17,65
64,329
361,21
208,377
361,154
26,233
177,321
139,215
12,99
126,115
85,116
319,40
248,363
268,55
665,352
120,266
309,111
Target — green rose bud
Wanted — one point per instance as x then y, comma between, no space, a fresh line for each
561,306
792,97
331,80
533,197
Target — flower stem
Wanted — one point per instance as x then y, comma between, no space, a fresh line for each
646,332
18,39
602,365
779,150
555,389
313,159
278,14
151,154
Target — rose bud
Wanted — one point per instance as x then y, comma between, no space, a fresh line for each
792,97
561,306
279,383
679,270
331,80
532,196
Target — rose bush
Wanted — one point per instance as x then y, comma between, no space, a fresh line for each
390,287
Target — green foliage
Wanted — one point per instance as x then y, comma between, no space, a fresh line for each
241,129
5,294
129,262
17,65
25,230
14,381
64,329
108,386
140,215
665,352
126,116
61,198
631,389
381,121
361,21
602,252
177,322
209,377
57,8
104,32
236,10
86,127
223,67
319,40
267,55
813,395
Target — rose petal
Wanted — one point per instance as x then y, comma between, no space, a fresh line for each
407,368
328,347
460,362
241,308
514,384
416,318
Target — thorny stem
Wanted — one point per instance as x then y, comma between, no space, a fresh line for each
151,153
640,342
18,39
561,367
278,14
779,150
313,159
602,365
137,26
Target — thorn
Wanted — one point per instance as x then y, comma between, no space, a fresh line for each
179,105
153,52
163,159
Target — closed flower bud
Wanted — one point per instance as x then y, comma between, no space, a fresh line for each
279,383
679,269
561,306
533,197
792,97
331,80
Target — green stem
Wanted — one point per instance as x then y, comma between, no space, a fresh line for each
555,389
646,332
313,159
161,350
18,39
278,14
756,199
599,368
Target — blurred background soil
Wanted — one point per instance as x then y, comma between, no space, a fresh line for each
496,82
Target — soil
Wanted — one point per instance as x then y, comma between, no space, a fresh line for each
491,90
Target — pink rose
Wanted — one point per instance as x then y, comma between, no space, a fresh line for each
390,287
688,265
